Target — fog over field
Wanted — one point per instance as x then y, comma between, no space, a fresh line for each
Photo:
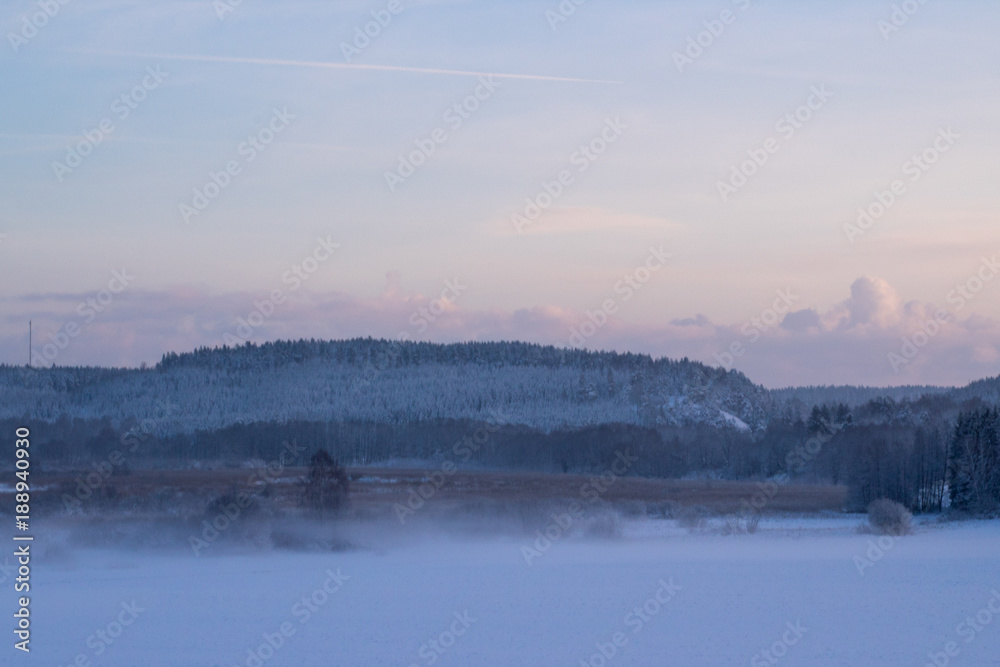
799,591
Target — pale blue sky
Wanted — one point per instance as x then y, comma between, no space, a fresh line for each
657,184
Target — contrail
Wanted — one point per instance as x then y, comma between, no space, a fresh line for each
326,65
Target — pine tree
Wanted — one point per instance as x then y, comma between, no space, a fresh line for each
974,465
326,485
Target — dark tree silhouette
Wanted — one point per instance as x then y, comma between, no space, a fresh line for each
326,486
974,475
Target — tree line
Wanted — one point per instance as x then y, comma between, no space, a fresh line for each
925,466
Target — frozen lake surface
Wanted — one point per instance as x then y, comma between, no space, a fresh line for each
657,596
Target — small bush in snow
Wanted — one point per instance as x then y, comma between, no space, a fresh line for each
740,525
606,525
694,519
888,517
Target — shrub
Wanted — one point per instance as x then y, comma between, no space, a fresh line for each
740,525
693,518
227,510
606,525
888,517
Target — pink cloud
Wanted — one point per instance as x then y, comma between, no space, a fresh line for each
850,343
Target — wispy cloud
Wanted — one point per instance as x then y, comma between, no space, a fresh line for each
333,65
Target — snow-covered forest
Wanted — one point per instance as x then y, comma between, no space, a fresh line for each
385,382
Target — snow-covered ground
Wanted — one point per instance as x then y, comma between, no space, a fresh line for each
810,591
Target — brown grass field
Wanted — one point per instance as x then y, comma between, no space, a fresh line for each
376,490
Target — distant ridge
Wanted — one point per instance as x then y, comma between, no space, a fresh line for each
382,381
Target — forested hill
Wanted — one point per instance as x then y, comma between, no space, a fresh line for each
388,382
853,396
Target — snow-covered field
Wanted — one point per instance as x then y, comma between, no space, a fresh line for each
657,596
